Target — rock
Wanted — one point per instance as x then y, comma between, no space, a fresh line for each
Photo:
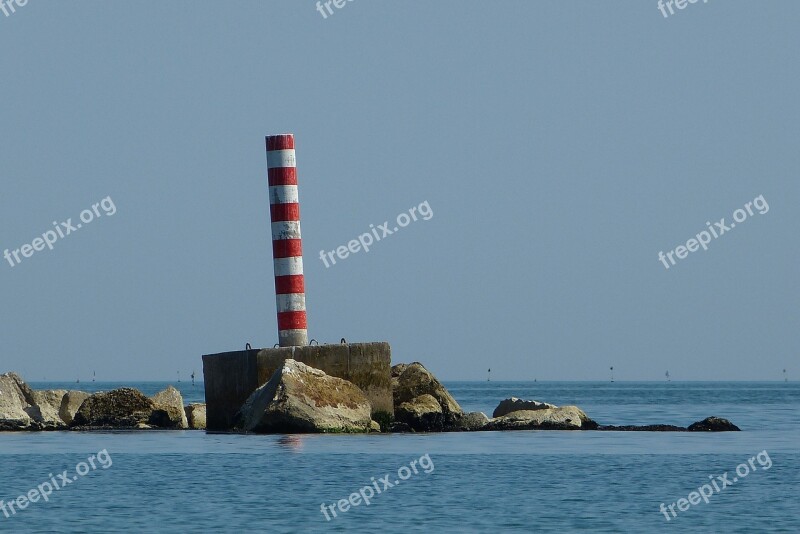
170,402
713,424
196,416
46,409
470,422
301,399
413,381
12,404
514,404
421,414
564,418
120,408
374,426
70,404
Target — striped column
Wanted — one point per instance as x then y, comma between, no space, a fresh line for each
287,247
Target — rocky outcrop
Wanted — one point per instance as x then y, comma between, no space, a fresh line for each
169,411
514,405
422,414
196,416
563,418
409,382
301,399
713,424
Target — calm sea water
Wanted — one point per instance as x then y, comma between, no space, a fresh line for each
527,481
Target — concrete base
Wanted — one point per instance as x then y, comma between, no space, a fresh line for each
231,377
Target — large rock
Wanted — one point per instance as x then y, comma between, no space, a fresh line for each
514,405
169,412
46,407
713,424
413,381
196,416
70,404
120,408
564,418
422,414
13,404
301,399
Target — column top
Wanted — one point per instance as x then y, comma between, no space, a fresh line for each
280,142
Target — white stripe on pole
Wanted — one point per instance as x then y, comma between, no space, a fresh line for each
281,158
283,194
288,338
288,266
291,302
286,230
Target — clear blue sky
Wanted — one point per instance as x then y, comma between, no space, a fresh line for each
560,145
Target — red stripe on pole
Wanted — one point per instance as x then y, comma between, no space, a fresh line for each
295,320
285,212
287,248
290,283
282,176
280,142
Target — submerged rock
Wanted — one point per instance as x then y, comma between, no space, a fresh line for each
564,418
196,416
514,405
643,428
168,411
709,424
301,399
713,424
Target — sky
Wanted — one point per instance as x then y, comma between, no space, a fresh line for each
560,147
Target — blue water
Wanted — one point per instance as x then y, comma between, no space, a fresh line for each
528,481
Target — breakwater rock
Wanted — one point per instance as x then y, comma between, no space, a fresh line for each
298,398
301,399
25,409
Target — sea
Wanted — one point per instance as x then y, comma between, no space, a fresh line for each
521,481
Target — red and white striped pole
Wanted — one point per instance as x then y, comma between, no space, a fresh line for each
287,246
